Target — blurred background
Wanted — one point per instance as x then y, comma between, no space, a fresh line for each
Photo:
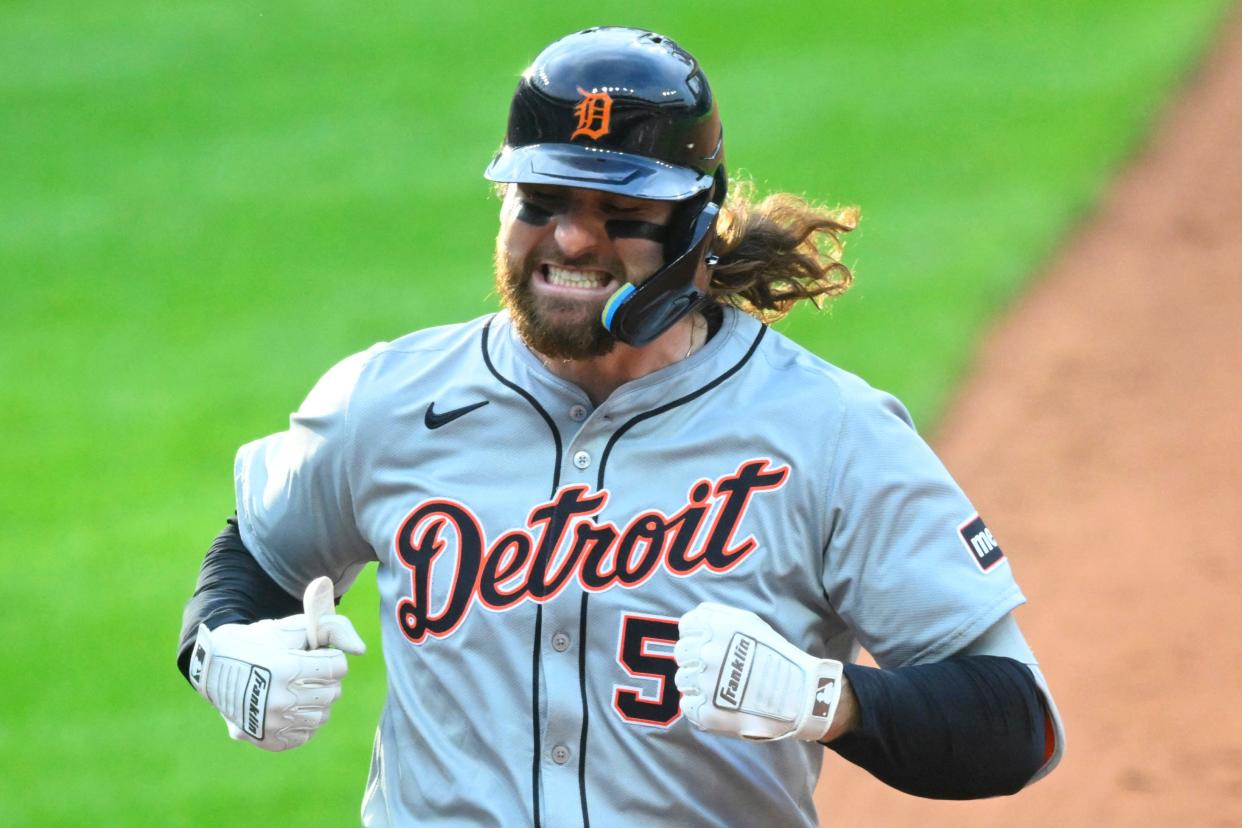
204,205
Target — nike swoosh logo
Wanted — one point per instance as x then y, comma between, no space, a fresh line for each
432,419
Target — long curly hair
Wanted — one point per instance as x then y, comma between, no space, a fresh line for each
778,251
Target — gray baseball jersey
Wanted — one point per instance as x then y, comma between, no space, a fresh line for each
536,551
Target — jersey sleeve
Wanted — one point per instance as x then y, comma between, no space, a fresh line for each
909,566
294,497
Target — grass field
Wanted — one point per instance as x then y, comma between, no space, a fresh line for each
203,205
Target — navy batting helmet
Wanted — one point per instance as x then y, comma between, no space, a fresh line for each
625,111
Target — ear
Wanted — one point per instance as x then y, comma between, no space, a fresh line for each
501,190
506,193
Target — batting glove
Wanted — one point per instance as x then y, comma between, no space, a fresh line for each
274,681
740,677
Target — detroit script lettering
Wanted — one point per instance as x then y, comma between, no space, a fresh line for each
561,542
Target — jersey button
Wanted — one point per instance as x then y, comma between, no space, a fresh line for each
582,459
560,642
578,413
560,754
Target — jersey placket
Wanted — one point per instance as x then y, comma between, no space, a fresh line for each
562,728
561,656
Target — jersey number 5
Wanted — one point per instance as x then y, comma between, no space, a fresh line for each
645,650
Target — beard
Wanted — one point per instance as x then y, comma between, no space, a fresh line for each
562,329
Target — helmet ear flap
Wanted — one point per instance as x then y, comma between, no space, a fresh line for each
720,185
684,221
682,226
637,314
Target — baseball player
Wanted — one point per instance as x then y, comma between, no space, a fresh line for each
629,539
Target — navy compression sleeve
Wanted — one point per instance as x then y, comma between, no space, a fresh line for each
965,728
232,589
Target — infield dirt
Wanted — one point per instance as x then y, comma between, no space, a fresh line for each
1100,435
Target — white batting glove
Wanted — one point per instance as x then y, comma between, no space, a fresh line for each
740,677
274,681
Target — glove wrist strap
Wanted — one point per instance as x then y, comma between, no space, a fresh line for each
823,697
200,661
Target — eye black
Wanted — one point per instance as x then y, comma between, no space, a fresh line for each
633,229
532,213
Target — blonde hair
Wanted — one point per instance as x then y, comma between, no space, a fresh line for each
778,251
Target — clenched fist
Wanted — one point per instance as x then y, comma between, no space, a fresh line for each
274,681
740,677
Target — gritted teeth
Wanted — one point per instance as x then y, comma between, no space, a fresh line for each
575,278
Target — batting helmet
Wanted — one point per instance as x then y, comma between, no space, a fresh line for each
626,111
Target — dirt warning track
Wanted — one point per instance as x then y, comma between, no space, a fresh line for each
1101,436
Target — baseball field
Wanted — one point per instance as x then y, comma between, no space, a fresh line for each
205,205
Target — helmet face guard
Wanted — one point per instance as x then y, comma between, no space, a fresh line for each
626,111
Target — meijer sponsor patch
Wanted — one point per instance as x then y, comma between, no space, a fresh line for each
983,548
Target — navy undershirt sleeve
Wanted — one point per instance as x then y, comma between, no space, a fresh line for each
232,589
965,728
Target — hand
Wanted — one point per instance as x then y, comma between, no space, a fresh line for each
740,677
274,681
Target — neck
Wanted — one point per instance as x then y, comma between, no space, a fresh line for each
600,376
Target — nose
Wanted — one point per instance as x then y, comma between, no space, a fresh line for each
578,233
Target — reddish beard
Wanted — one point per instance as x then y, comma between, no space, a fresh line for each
536,318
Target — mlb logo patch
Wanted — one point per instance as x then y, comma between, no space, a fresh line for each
983,548
196,665
823,697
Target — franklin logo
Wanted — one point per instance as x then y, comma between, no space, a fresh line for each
983,548
594,112
731,685
256,701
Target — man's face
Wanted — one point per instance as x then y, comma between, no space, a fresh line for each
562,252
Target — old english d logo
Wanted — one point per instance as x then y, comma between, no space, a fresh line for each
593,111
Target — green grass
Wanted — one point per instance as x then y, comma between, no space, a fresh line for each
203,205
